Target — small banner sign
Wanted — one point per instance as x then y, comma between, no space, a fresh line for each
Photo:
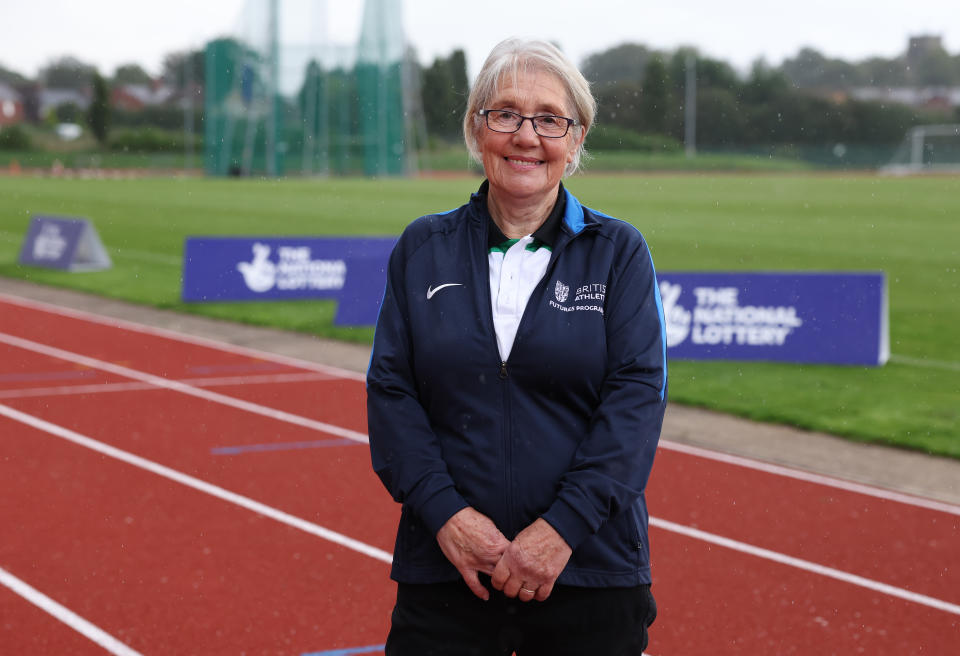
351,270
826,318
59,242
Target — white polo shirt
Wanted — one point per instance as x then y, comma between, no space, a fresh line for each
516,266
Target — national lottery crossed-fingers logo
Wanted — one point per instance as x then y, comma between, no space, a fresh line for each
295,269
260,275
678,317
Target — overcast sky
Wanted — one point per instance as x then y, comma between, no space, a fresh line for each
107,33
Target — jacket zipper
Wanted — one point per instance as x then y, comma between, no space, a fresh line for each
510,529
503,374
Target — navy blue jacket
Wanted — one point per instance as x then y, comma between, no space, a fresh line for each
565,430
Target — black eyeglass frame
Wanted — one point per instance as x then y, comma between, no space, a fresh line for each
485,113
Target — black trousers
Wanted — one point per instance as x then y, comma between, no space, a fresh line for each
446,619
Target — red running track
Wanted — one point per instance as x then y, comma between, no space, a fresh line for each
173,495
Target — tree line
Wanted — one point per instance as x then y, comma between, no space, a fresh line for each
806,100
640,91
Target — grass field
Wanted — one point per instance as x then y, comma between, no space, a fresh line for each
908,227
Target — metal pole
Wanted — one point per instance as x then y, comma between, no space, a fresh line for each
188,111
690,107
272,69
916,149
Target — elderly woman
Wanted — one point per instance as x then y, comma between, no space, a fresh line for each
516,392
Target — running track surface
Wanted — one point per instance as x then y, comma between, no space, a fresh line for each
161,494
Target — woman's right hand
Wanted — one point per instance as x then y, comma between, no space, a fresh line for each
473,543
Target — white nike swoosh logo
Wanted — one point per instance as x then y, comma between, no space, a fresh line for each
433,290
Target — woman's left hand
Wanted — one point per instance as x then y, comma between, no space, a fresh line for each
531,564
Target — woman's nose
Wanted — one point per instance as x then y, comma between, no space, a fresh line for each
526,131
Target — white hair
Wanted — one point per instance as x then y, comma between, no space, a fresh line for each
513,57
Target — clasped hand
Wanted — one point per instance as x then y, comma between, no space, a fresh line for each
525,569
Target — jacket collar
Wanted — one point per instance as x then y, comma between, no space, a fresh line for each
546,234
573,219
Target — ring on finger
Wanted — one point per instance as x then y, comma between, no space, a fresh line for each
523,589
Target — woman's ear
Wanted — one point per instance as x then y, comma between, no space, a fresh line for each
575,144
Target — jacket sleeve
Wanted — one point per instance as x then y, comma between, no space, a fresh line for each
611,467
405,451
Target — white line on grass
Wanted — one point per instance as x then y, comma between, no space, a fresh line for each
806,566
183,388
196,484
180,337
65,615
924,362
808,477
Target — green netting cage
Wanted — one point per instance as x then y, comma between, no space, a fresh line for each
282,103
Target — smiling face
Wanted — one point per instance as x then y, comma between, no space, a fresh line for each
523,166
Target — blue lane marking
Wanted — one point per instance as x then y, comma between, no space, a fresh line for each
347,652
234,368
280,446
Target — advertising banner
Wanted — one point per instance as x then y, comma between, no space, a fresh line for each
351,270
67,243
827,318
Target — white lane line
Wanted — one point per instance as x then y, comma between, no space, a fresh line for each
876,492
179,337
713,455
98,388
65,615
196,484
183,388
357,436
807,566
383,556
829,481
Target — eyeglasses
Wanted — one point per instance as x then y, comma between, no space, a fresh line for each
546,125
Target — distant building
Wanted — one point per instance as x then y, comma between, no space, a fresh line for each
919,47
11,105
134,97
186,98
50,99
922,97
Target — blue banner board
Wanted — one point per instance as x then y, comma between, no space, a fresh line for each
830,318
60,242
351,270
827,318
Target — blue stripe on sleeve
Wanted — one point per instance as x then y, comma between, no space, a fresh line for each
663,327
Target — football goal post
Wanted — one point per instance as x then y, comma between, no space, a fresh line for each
927,149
